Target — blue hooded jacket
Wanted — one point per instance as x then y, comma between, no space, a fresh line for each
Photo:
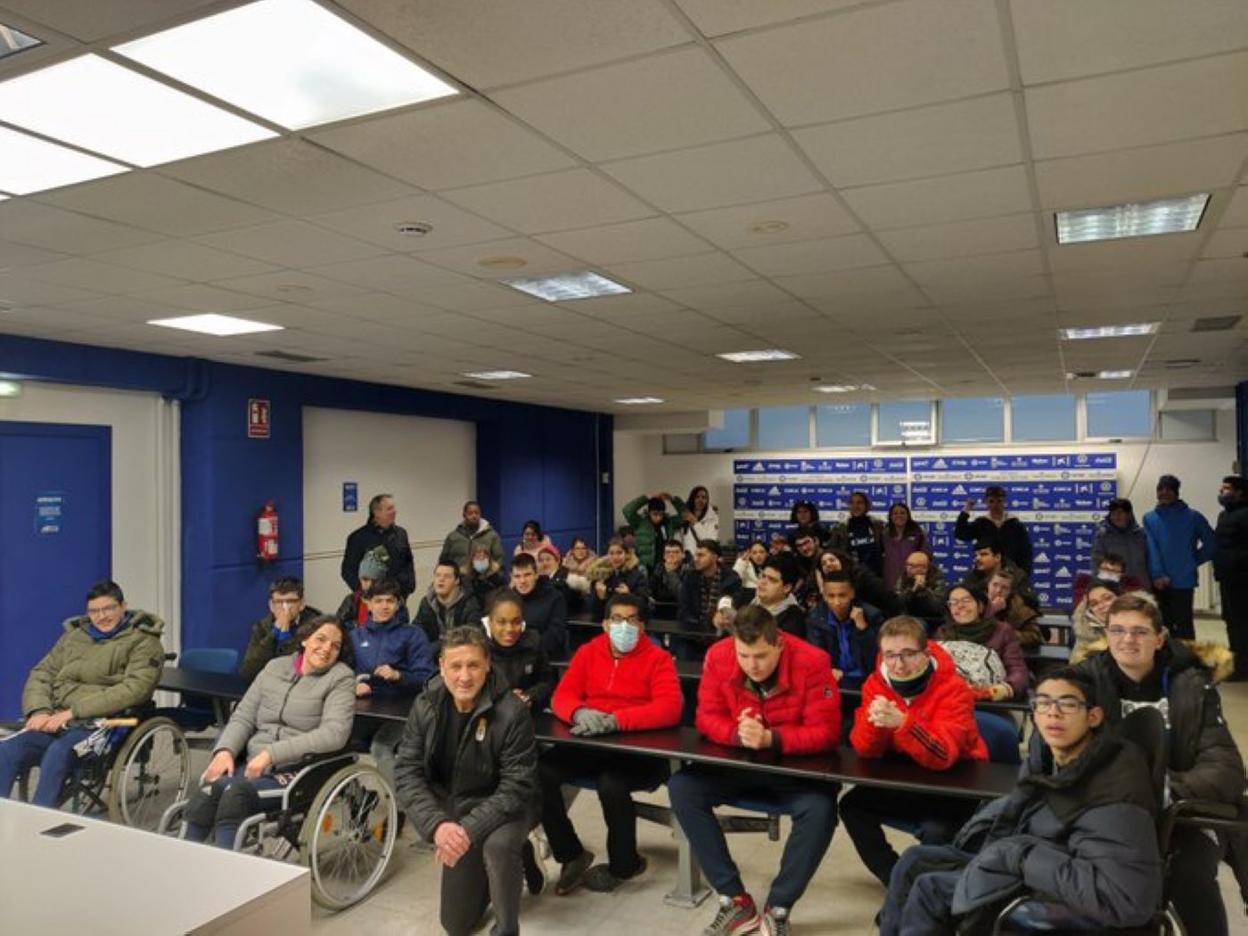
396,644
1180,540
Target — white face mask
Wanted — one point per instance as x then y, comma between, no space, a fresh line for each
480,565
623,635
1109,576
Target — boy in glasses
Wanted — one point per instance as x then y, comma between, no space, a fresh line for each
1142,668
914,704
1080,829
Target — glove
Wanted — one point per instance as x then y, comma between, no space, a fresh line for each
587,721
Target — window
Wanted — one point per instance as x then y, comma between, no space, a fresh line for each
906,421
734,435
1188,425
1043,418
1120,414
843,425
980,419
784,427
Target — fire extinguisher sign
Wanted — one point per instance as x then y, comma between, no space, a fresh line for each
259,425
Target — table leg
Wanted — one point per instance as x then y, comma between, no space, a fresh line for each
688,891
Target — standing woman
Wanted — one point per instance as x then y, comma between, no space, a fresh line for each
902,537
532,539
701,520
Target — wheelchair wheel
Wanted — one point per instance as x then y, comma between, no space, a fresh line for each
348,835
152,771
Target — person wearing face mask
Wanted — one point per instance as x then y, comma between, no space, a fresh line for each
473,531
1230,568
1120,535
619,681
1180,541
483,574
1090,617
1112,568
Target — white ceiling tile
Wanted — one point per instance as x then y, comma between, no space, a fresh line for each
289,176
961,238
828,254
184,260
981,194
89,20
486,44
556,201
718,17
200,298
34,320
972,269
778,313
291,244
717,295
758,169
1213,271
693,270
464,142
624,307
1063,39
14,255
1232,242
538,258
1155,105
662,102
376,224
82,273
648,239
849,284
28,222
293,286
1140,254
473,297
396,273
807,217
19,289
1236,214
874,59
930,141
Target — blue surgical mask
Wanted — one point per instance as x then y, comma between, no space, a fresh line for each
623,635
481,565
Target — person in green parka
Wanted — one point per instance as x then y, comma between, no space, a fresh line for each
652,523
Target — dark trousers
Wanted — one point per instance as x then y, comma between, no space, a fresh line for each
490,873
932,818
696,791
53,754
920,892
1176,611
221,807
1235,613
1194,882
616,777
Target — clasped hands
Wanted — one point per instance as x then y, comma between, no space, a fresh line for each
587,721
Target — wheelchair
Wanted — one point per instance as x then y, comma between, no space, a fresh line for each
130,768
338,817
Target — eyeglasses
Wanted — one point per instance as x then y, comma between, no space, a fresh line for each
906,656
960,602
616,619
285,602
1137,633
107,609
1067,705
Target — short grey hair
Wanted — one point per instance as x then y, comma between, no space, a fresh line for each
465,636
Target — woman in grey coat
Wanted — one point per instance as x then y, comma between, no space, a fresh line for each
297,706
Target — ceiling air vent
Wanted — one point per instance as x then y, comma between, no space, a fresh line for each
475,385
291,356
1216,323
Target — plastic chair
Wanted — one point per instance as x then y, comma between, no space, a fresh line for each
198,712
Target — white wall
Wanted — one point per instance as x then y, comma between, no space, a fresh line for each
145,498
429,465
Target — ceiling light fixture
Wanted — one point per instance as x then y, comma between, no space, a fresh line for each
1139,219
497,375
13,41
10,389
28,164
290,61
1109,331
1114,374
639,400
214,324
413,228
843,388
583,285
753,357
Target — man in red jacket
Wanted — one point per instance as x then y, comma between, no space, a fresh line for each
619,681
764,689
915,704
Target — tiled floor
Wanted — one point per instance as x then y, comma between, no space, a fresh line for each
843,898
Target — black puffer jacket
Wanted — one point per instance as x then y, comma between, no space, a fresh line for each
495,775
546,611
1230,560
397,555
524,666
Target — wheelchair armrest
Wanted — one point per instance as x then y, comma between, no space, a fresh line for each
1203,814
316,762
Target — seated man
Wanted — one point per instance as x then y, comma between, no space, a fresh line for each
987,560
705,585
274,634
806,556
776,581
1080,829
667,575
1010,605
914,704
448,604
545,609
619,681
354,607
465,776
1143,668
108,660
761,690
921,590
846,629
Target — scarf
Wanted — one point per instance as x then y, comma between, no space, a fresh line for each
976,632
909,688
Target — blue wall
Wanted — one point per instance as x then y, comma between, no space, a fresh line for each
532,462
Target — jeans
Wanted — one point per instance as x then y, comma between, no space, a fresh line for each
490,873
934,819
52,753
920,892
696,791
221,807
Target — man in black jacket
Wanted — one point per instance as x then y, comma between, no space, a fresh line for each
448,604
545,608
776,581
386,540
467,778
1009,532
1230,567
704,585
1142,668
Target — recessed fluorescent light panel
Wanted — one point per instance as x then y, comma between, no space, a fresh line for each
843,388
13,41
751,357
213,324
565,286
100,106
1141,219
28,164
639,400
1114,374
1109,331
290,61
497,375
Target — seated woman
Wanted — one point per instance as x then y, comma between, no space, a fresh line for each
748,565
618,572
1090,617
532,539
295,707
967,620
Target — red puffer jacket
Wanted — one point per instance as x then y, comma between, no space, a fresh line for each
640,689
803,708
939,727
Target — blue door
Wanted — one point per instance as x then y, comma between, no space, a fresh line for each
55,538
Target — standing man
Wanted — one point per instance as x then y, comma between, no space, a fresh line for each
653,525
1008,531
466,776
866,533
1180,540
473,532
763,690
386,540
1230,566
274,634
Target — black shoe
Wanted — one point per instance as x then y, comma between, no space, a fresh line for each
600,879
534,875
572,873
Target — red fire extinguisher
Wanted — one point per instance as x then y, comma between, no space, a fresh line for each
266,533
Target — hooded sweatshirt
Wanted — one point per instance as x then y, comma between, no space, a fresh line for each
436,617
1180,540
789,614
401,646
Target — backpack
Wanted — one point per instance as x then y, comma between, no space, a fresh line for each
977,664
